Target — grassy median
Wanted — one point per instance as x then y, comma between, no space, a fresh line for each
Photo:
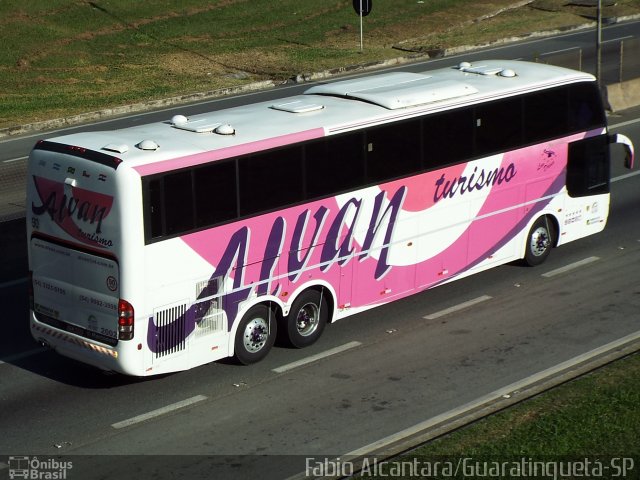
64,57
589,427
596,414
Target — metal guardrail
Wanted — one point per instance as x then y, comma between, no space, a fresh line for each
12,175
624,53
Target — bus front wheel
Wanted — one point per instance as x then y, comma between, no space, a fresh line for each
255,335
540,241
307,318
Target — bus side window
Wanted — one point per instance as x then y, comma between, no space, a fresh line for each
585,107
447,138
154,212
546,115
178,202
215,193
498,126
334,164
270,180
588,167
393,150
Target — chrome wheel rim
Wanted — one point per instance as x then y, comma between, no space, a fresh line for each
539,242
308,319
255,335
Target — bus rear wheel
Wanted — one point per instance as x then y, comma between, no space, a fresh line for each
307,318
540,241
256,335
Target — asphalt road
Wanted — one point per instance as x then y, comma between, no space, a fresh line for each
388,369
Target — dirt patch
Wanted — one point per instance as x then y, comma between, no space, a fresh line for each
191,64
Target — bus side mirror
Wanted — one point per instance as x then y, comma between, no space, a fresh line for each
628,148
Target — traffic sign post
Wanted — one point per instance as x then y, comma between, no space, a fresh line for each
362,8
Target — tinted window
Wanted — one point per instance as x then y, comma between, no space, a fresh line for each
498,126
585,107
447,138
178,203
546,115
334,164
215,193
154,210
270,180
588,166
393,150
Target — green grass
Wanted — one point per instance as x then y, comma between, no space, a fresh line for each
595,416
63,57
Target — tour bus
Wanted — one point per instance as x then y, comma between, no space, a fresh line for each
161,247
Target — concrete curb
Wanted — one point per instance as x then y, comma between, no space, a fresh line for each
113,112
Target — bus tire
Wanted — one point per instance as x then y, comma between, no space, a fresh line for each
256,334
540,241
307,318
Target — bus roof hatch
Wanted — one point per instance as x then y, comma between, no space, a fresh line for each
396,90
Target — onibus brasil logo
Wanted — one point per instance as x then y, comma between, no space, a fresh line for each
38,469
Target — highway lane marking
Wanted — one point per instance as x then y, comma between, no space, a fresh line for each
494,396
560,51
20,356
11,160
624,124
625,176
571,266
458,307
160,411
319,356
618,39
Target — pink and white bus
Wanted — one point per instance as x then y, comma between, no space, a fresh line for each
162,247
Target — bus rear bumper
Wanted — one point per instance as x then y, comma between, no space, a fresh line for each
75,347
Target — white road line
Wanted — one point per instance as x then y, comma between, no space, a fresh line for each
20,356
571,266
560,51
11,160
313,358
457,308
160,411
625,176
624,124
618,39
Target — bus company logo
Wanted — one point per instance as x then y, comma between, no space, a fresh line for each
112,283
79,212
36,469
548,160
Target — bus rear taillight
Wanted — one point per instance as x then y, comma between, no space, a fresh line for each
125,320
